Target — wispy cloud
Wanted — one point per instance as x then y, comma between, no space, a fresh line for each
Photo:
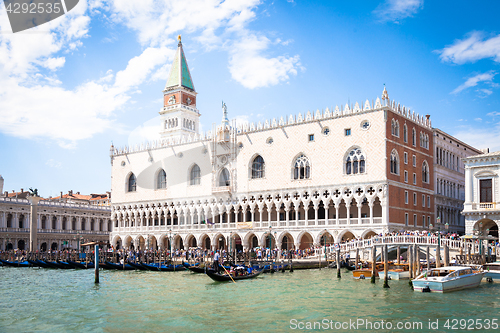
53,164
480,137
396,10
493,114
251,69
474,81
473,48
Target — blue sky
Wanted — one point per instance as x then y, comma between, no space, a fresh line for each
72,86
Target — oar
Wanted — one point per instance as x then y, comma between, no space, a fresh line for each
228,273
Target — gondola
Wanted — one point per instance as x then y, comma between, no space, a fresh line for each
224,277
38,263
81,265
163,268
137,266
120,267
198,269
56,264
16,263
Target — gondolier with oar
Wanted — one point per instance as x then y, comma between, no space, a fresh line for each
216,261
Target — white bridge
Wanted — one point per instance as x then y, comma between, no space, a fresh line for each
392,242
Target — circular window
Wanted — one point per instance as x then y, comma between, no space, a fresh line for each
223,159
204,151
180,155
365,124
123,163
325,131
150,159
269,141
240,145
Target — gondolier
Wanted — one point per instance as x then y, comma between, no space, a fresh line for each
216,261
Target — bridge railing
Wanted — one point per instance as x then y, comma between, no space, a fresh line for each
453,244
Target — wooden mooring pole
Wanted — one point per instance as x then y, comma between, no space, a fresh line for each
357,259
399,255
96,263
428,254
446,255
386,268
409,256
417,260
374,263
338,263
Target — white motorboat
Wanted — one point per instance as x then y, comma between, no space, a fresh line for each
445,279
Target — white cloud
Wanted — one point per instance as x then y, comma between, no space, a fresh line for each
473,81
493,114
149,131
480,137
248,66
471,49
252,70
478,119
396,10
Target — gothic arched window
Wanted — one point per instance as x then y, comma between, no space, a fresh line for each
224,178
405,133
395,127
161,179
414,137
132,186
394,162
195,175
302,168
355,162
131,182
425,172
258,167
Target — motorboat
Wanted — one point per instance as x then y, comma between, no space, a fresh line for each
396,272
492,272
446,279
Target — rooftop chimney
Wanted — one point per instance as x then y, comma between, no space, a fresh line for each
22,190
61,194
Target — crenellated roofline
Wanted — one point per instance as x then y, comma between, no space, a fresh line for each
346,111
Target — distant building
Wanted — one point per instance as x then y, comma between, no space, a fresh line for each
62,223
449,179
482,193
91,199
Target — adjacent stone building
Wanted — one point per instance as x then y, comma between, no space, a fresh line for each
449,179
482,195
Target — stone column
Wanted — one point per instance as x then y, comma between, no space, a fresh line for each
371,212
359,213
33,222
316,207
287,215
336,214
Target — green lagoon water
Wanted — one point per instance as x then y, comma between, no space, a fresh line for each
43,300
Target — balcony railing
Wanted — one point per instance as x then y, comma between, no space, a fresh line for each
484,205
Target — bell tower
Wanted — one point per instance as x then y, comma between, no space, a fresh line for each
179,115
